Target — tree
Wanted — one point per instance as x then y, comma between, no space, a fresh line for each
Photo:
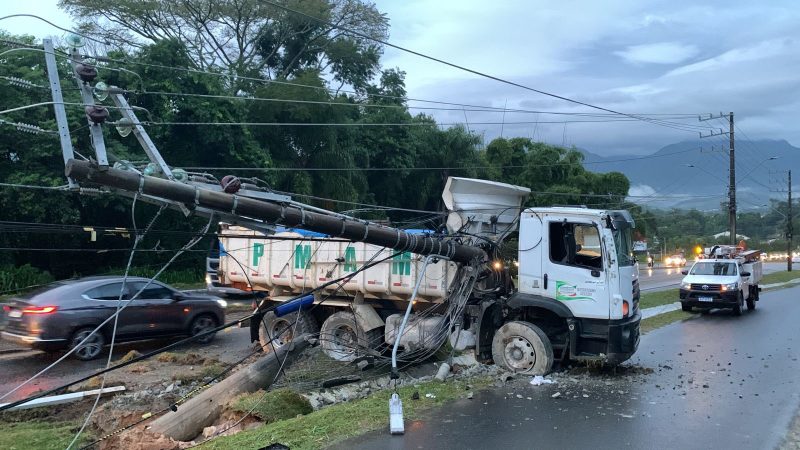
249,38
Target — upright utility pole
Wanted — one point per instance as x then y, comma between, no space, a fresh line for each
789,227
732,186
731,170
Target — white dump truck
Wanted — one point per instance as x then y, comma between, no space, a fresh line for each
576,297
725,277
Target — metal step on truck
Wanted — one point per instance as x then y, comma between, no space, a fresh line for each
726,276
576,298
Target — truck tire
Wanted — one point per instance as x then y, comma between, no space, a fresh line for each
522,347
343,339
739,308
686,307
273,326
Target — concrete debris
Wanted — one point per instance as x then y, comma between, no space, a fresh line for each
429,395
469,395
539,380
556,395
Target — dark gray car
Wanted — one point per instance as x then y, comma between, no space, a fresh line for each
62,314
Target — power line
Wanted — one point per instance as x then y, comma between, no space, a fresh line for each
457,66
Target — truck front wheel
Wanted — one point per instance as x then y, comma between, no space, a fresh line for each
343,339
739,308
522,347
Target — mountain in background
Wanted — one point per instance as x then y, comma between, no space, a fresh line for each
666,177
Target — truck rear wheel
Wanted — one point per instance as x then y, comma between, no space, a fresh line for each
343,339
275,332
752,298
522,347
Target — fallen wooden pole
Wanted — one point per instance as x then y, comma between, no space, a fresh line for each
202,410
274,212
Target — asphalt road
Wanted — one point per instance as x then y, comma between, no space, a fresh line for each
228,346
743,395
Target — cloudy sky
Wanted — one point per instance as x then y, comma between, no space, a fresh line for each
675,56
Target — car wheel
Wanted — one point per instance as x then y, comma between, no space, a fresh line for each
522,347
275,332
200,325
686,307
739,308
91,348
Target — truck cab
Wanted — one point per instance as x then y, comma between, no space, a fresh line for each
579,281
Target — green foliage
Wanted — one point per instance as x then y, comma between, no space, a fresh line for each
37,435
15,278
273,406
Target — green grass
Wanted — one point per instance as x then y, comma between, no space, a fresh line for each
338,422
650,299
273,406
37,435
661,320
780,277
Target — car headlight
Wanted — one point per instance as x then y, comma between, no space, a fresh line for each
222,303
730,287
686,285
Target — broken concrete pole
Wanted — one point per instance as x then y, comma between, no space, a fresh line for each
202,410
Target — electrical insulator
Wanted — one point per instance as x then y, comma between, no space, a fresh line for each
20,82
86,72
28,128
230,184
97,114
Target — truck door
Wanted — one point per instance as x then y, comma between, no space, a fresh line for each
573,267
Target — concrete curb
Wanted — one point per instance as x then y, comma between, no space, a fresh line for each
782,284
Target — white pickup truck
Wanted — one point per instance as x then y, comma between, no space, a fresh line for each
726,278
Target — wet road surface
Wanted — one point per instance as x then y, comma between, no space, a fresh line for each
228,346
719,381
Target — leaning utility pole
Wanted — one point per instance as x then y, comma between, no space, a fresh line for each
732,185
789,227
731,170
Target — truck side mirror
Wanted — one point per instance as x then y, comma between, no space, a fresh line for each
745,274
685,272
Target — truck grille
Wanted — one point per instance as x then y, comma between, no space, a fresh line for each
706,287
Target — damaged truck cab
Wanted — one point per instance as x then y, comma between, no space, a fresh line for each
577,296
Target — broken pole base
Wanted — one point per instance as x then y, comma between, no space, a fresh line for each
205,408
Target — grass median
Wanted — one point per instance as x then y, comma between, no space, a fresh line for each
780,277
336,423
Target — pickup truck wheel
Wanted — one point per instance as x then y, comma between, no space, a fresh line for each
739,308
522,347
341,337
751,300
275,332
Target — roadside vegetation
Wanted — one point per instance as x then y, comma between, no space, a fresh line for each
780,277
336,423
36,435
650,299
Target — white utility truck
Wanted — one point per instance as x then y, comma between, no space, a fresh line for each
577,295
725,277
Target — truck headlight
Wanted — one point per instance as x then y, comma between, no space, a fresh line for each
730,287
222,303
686,286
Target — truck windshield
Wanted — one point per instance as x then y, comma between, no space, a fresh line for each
624,246
714,268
